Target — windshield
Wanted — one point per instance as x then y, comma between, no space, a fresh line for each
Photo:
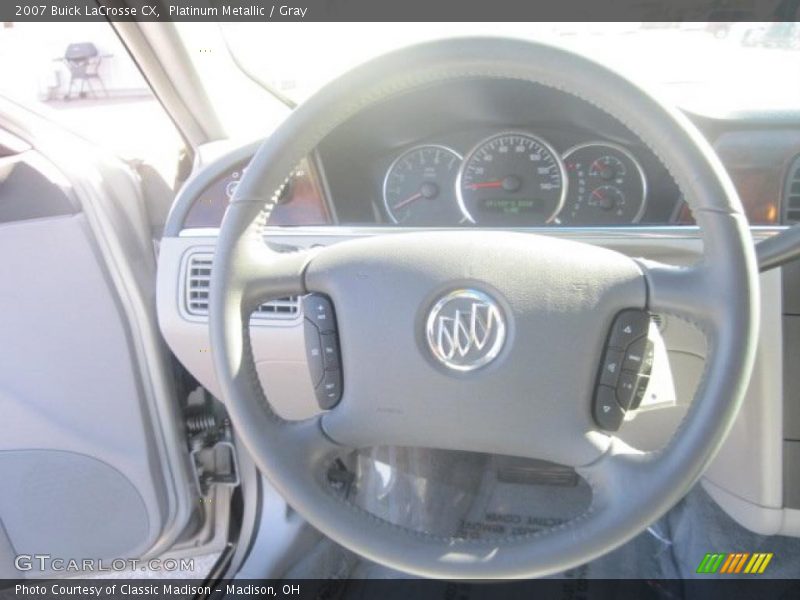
710,68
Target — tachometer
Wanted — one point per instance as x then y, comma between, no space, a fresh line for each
419,187
512,179
606,186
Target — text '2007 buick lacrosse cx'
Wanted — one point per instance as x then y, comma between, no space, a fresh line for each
292,306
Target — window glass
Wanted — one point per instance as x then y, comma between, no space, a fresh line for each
707,67
80,75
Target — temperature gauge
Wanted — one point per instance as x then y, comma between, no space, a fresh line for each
606,186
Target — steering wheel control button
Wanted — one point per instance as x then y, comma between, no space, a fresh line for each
635,355
626,389
465,330
625,370
638,394
630,325
330,351
313,352
607,412
318,309
329,391
322,350
612,365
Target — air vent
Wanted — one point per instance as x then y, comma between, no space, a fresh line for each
198,278
791,194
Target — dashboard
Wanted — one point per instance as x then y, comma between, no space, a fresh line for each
502,154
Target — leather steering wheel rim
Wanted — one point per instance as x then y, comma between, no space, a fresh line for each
631,489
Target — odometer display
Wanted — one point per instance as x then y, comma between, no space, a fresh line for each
512,206
512,179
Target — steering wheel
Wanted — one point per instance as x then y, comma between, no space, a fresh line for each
557,299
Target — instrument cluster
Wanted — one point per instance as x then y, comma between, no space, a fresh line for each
515,178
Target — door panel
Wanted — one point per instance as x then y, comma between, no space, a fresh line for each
75,436
92,460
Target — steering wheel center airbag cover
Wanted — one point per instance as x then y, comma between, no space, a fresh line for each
557,299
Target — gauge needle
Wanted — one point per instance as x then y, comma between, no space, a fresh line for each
599,195
486,184
408,200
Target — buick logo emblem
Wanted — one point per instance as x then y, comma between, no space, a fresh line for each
465,330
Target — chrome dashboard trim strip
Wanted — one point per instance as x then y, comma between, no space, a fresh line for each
635,232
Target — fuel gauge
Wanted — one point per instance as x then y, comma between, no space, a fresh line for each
607,186
606,197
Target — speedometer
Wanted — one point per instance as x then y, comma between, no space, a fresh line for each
512,179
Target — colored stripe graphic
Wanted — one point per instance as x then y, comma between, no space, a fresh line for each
731,560
740,564
764,562
734,562
710,563
758,563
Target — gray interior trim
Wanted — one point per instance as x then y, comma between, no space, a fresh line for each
688,232
155,375
11,144
70,386
89,489
780,249
32,188
7,554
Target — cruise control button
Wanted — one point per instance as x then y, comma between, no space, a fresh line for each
612,365
330,351
626,389
607,413
329,391
629,325
313,352
319,310
634,357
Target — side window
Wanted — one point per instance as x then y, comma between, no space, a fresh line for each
80,75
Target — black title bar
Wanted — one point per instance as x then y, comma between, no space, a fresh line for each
738,588
399,10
